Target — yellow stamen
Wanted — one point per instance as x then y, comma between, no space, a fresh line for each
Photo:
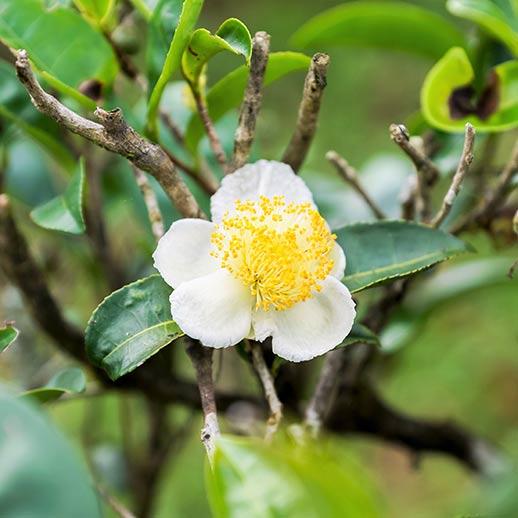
280,250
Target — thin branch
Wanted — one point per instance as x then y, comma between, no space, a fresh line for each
483,214
322,397
115,504
360,410
153,210
349,174
201,358
314,85
270,393
463,167
251,106
113,134
407,198
426,170
21,269
210,129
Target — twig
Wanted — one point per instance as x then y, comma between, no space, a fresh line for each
463,167
426,170
306,125
201,358
322,396
208,124
116,506
270,393
245,131
113,134
407,198
153,210
348,173
173,129
482,214
21,269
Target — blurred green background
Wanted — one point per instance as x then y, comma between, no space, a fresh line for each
462,364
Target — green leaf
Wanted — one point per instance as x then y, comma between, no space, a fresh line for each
41,473
497,18
449,100
65,213
438,289
383,25
131,325
161,28
360,333
65,47
256,480
100,12
67,381
386,250
8,335
14,102
228,92
188,18
232,35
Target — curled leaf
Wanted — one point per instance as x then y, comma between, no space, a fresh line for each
449,99
232,36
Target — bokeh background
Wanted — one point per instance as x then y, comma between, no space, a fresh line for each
461,364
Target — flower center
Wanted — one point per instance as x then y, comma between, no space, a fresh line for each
280,250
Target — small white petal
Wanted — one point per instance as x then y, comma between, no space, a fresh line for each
263,323
264,178
338,256
316,326
182,253
215,309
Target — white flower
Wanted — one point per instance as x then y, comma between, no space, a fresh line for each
267,265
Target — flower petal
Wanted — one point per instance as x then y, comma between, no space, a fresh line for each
315,326
264,178
338,256
182,253
215,309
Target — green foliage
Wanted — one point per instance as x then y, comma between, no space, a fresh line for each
188,18
386,250
67,381
228,92
65,213
435,291
8,335
131,325
254,480
99,12
56,41
14,102
384,25
449,84
41,474
360,333
161,28
232,36
498,18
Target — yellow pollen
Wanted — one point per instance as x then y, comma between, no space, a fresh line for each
280,250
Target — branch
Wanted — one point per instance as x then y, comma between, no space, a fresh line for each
153,210
426,170
270,393
201,358
114,503
463,167
483,214
348,173
360,410
113,134
306,126
245,131
21,269
210,130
